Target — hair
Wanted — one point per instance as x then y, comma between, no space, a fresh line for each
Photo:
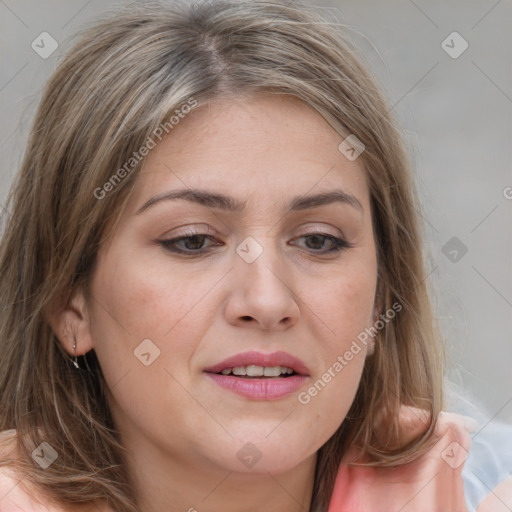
123,80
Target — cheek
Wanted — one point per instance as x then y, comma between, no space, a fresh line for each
136,302
342,312
139,300
342,306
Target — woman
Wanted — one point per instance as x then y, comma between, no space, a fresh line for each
213,294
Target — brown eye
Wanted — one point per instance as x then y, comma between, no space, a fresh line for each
324,243
193,245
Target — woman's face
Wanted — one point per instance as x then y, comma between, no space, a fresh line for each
247,289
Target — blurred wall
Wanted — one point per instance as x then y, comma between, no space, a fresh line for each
447,69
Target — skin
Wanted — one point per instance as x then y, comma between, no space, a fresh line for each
182,430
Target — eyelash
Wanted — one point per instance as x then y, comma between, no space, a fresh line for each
339,244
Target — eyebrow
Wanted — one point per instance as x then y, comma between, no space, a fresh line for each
224,202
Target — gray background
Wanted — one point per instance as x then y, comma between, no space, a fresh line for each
457,120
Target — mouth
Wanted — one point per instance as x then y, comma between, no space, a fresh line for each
258,365
258,376
253,371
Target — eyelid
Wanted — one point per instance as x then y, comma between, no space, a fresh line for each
196,229
203,229
321,230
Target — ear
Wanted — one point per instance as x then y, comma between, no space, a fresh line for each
70,323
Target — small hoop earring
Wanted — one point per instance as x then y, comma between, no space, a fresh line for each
75,362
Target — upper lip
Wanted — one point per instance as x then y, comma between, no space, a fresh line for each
261,359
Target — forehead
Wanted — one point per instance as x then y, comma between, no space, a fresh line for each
261,148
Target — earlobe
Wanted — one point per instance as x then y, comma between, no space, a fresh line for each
70,323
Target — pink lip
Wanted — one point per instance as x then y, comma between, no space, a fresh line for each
260,388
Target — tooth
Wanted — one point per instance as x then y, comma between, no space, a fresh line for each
272,371
254,371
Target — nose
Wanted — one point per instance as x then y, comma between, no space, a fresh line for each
262,292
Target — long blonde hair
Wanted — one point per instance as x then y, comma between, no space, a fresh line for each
125,76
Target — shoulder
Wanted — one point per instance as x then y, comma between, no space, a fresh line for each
466,468
433,481
412,422
15,494
12,496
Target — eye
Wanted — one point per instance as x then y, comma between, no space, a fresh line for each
191,244
316,242
194,244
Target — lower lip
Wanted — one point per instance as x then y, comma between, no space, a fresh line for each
260,389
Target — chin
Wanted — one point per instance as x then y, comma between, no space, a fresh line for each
262,455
